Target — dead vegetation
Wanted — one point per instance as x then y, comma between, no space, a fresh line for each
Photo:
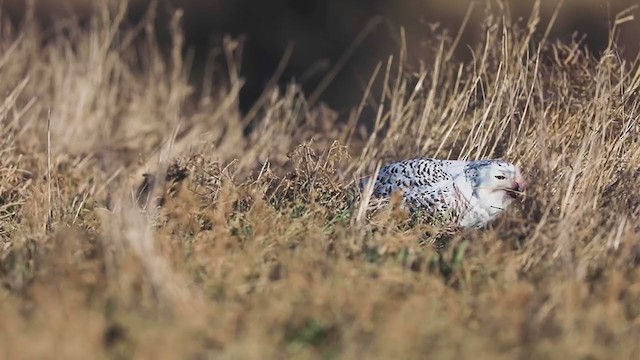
247,238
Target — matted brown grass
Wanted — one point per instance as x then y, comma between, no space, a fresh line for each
248,238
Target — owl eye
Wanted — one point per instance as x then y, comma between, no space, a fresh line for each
500,177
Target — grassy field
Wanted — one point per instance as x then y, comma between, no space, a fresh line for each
246,238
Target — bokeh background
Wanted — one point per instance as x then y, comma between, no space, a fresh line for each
321,31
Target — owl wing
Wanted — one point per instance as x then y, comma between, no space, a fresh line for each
425,183
408,174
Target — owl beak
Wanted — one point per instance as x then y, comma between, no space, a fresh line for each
520,184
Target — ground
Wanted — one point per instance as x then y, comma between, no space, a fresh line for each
144,216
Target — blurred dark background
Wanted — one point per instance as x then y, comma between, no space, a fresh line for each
321,31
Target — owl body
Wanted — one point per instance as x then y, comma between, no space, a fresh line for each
466,193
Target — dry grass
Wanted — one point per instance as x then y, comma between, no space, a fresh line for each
252,241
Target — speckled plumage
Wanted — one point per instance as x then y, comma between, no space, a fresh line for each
467,193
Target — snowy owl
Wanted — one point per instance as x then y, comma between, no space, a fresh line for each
468,193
